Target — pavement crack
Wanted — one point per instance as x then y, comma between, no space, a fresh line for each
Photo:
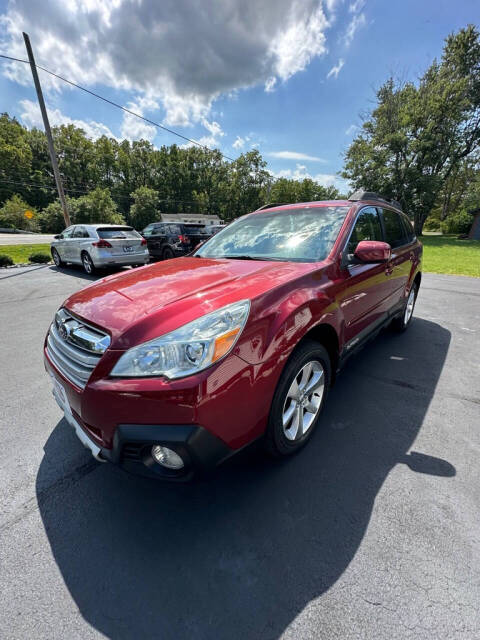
61,484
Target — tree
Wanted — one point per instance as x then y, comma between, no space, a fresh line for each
17,214
15,158
97,206
145,207
51,219
418,135
249,179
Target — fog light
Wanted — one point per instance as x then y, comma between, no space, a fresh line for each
166,457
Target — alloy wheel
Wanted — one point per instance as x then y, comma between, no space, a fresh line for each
303,401
409,307
87,263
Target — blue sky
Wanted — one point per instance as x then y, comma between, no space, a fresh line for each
289,77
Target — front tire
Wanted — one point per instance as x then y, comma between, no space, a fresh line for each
56,258
299,399
87,263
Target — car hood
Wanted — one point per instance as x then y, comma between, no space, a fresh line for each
143,303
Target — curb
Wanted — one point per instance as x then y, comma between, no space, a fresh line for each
27,264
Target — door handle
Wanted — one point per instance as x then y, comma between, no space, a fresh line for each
388,269
412,256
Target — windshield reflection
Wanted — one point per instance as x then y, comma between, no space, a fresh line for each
303,235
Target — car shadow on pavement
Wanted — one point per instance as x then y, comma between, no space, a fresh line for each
241,553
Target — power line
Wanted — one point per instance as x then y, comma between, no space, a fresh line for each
119,106
87,191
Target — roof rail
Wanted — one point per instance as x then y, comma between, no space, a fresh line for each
360,194
270,205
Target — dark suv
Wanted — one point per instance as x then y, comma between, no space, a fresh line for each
171,239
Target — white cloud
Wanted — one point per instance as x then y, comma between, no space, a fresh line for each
172,51
270,84
335,70
301,39
135,129
353,128
354,25
294,155
239,143
31,117
212,140
326,179
356,6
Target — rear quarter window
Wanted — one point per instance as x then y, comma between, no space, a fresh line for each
394,229
409,232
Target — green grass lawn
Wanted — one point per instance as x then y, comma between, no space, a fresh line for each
447,254
21,252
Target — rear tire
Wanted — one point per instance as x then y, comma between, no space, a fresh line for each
167,254
87,263
299,399
56,258
403,321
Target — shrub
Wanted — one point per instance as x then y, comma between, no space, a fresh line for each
5,261
39,258
459,222
18,214
432,224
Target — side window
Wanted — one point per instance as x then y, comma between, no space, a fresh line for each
80,232
174,229
160,230
148,230
68,233
409,232
367,227
394,231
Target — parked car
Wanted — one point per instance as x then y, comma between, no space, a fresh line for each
99,245
173,368
167,240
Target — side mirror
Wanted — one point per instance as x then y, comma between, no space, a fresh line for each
58,237
373,251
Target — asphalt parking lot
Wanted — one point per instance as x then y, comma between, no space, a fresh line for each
372,531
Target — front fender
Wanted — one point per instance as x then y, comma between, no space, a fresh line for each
276,331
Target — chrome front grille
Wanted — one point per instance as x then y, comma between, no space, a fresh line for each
75,347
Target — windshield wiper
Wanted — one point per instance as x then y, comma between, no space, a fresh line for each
244,258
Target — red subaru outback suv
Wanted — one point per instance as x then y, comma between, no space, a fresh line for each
171,368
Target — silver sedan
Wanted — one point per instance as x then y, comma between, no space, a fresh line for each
99,245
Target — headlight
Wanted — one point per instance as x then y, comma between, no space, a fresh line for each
189,349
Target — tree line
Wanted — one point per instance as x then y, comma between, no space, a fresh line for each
113,181
419,145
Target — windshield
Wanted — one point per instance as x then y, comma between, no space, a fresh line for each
302,235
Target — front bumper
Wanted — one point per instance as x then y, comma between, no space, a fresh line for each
132,443
204,418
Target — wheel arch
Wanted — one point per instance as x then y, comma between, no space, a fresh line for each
327,336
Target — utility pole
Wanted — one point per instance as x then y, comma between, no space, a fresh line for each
48,131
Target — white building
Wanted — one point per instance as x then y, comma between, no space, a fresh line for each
196,218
